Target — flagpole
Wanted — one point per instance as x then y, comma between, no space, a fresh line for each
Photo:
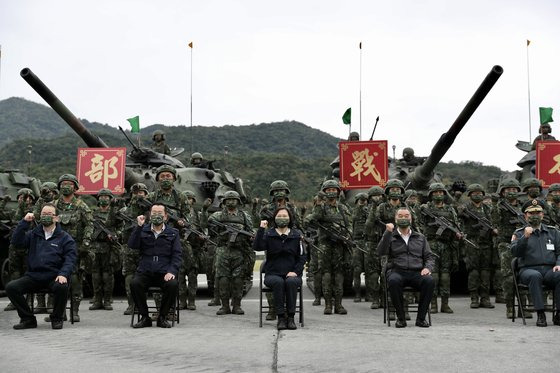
192,135
529,91
360,90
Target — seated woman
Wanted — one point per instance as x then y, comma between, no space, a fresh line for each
284,263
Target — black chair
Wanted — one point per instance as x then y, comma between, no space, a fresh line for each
264,308
388,306
47,291
517,298
173,311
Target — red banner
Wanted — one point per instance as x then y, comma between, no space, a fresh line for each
101,168
363,164
548,162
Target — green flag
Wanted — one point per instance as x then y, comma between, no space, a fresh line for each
135,124
546,114
347,117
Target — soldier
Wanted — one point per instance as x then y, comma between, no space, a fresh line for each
457,189
106,252
159,145
334,221
232,228
279,192
442,245
409,159
76,219
506,217
18,255
545,135
532,187
313,272
554,194
476,218
194,260
359,217
372,262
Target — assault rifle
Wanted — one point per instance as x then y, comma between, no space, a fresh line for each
99,227
132,223
443,224
231,230
309,241
518,217
336,232
481,222
189,229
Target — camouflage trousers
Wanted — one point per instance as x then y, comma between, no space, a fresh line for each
362,263
313,274
102,275
231,269
479,265
193,261
130,260
17,261
446,261
333,262
507,275
497,281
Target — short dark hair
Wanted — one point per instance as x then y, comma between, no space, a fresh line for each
50,204
291,223
159,204
403,208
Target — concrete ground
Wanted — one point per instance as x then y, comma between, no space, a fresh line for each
480,340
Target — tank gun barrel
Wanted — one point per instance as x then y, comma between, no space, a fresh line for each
89,138
423,174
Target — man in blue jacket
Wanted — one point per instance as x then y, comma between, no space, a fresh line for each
160,259
50,262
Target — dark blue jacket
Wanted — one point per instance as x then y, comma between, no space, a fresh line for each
534,251
161,255
46,259
283,253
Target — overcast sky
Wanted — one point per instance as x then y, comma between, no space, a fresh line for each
262,61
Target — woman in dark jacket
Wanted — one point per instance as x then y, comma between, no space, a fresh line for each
284,263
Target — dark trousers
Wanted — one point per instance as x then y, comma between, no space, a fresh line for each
397,280
284,291
17,290
140,284
534,278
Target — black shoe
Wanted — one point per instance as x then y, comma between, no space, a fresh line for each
144,322
282,323
163,323
291,324
541,319
422,323
56,324
26,324
556,318
400,323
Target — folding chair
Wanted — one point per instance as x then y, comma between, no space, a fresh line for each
173,311
47,291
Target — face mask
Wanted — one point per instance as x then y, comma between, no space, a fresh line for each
375,198
403,223
332,194
166,184
394,195
279,194
556,198
103,202
282,222
48,197
477,198
66,190
46,220
231,203
437,198
534,220
534,193
511,195
156,220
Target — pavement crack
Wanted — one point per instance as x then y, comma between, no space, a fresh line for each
275,354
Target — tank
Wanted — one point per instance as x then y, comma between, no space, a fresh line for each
142,162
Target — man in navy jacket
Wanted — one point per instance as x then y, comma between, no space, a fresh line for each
160,259
50,262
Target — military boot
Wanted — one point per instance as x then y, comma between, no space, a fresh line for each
485,303
128,310
224,310
338,308
271,315
500,297
214,302
509,309
357,298
445,305
374,302
9,307
328,306
475,303
97,305
182,301
526,311
41,306
75,315
317,301
434,305
190,304
237,310
107,304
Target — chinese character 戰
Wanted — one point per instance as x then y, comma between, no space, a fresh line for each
363,165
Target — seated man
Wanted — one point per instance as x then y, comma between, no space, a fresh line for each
160,259
538,248
410,263
50,262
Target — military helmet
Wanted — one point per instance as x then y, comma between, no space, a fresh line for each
508,183
158,132
530,182
166,168
279,185
25,192
375,190
408,152
394,183
410,192
231,194
359,196
436,186
196,155
330,184
49,185
475,188
189,194
69,177
139,187
104,192
354,136
553,187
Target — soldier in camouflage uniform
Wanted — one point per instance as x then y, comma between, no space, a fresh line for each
127,222
335,226
232,251
279,192
442,245
532,188
506,222
372,262
359,217
76,219
554,194
479,259
18,255
314,255
159,145
106,250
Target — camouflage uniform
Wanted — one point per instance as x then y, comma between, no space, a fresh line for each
372,262
314,276
159,144
359,259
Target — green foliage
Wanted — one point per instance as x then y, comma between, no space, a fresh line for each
469,171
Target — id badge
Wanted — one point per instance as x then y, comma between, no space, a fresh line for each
550,246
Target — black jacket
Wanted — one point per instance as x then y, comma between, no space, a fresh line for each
161,255
414,256
283,253
534,251
46,259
